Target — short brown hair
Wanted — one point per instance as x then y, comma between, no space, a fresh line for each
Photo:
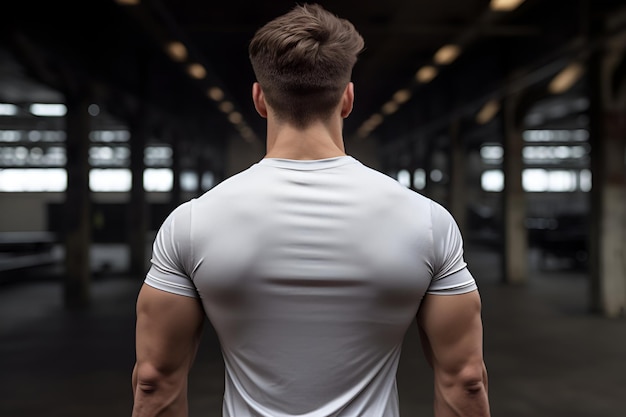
303,61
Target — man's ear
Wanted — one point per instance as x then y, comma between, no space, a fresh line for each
259,100
347,100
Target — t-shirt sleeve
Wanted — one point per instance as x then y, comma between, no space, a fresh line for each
171,252
450,273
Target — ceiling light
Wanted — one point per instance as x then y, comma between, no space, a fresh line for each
505,5
197,71
566,79
488,112
48,110
226,106
426,74
128,2
390,107
235,117
246,133
363,132
447,54
373,121
176,50
402,96
215,93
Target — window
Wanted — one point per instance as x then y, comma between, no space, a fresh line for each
404,178
110,179
33,180
554,161
540,180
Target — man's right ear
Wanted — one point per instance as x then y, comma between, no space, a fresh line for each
259,100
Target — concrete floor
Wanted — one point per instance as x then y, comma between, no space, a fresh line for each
546,355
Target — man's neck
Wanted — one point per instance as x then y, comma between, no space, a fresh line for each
317,141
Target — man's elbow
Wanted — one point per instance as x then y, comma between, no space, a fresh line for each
471,379
148,379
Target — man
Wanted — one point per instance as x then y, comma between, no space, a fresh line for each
309,265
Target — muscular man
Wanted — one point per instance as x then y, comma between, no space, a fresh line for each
309,265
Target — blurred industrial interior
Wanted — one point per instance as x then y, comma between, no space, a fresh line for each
510,113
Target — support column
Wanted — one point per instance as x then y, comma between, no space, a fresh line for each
77,204
457,195
608,195
138,206
515,245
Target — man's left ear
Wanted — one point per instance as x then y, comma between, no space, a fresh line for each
347,100
258,99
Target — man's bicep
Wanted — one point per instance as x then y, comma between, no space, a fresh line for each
452,331
168,330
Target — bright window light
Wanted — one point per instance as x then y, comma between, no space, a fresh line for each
578,135
109,156
109,136
535,180
419,179
8,109
93,110
189,181
33,180
158,179
155,156
540,180
32,135
404,178
48,110
492,180
436,175
10,135
492,152
562,181
585,180
110,180
208,181
553,153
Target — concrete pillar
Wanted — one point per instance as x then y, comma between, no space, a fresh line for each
608,196
138,213
515,245
77,204
457,194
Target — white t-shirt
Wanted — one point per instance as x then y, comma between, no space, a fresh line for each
310,272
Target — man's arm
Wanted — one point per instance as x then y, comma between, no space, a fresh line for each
452,337
168,332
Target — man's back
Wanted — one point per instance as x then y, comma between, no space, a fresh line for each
310,272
